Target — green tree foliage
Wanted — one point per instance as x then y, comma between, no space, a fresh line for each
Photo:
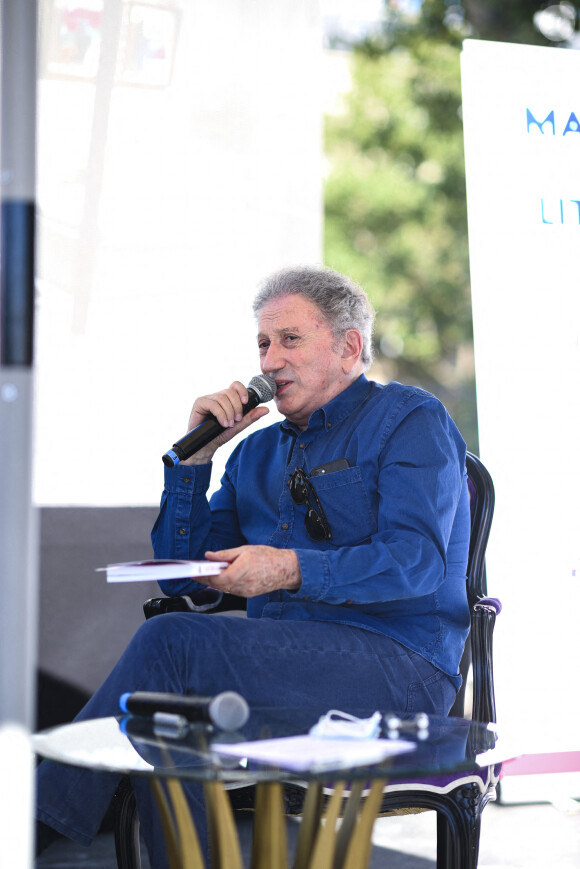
395,197
503,21
396,212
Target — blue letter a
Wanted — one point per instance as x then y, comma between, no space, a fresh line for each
572,126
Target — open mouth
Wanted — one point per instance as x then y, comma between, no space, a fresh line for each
281,386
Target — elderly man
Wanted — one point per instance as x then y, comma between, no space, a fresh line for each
346,527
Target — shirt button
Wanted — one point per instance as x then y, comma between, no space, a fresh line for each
182,531
302,446
328,425
285,526
186,479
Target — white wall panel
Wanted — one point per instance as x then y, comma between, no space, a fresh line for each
179,160
523,186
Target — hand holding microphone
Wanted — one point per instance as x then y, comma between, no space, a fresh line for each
261,388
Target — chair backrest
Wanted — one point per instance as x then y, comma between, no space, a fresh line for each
482,501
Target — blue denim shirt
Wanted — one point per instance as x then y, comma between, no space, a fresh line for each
399,516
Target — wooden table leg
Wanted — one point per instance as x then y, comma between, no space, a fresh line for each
225,851
322,843
181,841
269,850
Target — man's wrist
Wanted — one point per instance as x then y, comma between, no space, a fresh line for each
292,572
200,458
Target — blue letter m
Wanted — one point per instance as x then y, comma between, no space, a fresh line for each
540,125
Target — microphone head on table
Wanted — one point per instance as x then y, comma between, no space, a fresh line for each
227,710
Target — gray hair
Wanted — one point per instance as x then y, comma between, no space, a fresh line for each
343,302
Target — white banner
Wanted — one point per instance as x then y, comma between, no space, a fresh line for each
521,116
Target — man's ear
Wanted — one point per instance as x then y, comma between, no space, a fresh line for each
351,350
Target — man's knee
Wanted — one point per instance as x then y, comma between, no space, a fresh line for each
170,631
156,635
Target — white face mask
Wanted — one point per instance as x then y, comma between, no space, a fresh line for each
336,724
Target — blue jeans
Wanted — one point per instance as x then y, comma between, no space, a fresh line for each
271,663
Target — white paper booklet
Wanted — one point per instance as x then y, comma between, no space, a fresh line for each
308,752
142,571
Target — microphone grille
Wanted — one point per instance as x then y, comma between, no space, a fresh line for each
229,711
264,386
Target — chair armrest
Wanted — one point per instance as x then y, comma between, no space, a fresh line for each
493,602
204,600
483,617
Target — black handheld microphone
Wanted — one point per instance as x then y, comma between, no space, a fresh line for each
227,711
260,389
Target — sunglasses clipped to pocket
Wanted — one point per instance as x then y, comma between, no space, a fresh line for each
302,491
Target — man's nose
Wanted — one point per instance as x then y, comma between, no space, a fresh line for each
272,360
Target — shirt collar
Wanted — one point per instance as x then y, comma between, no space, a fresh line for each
337,409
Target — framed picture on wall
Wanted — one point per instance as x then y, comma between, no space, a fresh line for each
140,36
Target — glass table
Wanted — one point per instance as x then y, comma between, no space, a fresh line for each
449,755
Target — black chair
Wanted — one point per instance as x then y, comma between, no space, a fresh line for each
458,800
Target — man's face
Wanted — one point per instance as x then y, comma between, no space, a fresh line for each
298,349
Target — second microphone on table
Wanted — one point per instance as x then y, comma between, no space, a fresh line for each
227,710
261,388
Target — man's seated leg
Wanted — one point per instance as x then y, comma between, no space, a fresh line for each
270,662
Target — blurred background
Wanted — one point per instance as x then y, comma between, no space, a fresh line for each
186,148
395,206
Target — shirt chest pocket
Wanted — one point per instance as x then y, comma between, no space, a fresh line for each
347,507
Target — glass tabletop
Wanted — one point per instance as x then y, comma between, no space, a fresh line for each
273,745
